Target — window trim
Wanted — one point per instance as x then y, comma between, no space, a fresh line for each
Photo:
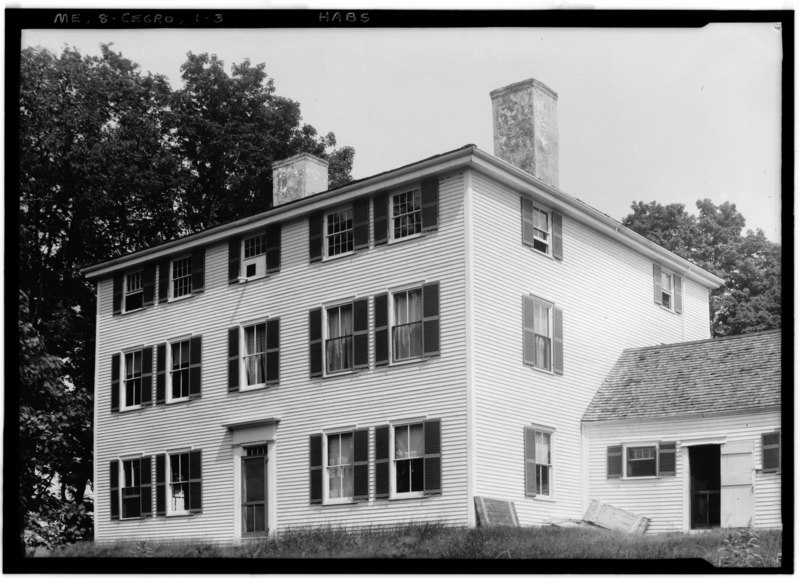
188,511
393,324
550,432
551,334
352,366
777,469
637,445
168,399
554,247
123,387
145,489
243,385
172,278
393,493
326,499
126,292
241,378
261,257
416,190
325,235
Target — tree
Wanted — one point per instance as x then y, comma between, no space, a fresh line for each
750,300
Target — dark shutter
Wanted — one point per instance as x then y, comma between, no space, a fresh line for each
148,284
527,221
361,224
678,290
234,258
614,462
273,350
113,486
382,329
380,218
558,340
430,319
115,382
195,482
530,461
361,333
558,238
195,366
315,236
528,334
163,281
273,237
771,452
198,269
147,376
361,465
657,283
381,462
430,204
315,342
146,491
161,373
117,295
666,459
161,485
433,456
315,468
233,359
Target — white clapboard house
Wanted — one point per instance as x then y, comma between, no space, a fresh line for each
384,352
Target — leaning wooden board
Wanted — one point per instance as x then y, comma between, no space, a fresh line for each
614,518
493,512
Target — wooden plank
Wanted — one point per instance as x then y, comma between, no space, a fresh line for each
613,518
493,512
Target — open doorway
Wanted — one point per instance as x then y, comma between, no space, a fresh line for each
705,486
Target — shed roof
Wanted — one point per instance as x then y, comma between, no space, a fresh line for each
741,372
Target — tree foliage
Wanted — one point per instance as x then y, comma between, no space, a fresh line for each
750,263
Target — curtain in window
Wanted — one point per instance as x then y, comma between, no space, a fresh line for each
340,331
255,338
340,466
408,324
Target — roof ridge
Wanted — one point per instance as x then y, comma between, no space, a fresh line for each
709,340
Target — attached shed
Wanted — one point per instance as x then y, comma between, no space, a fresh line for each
689,434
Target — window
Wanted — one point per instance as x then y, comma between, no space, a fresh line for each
338,338
642,460
181,277
131,488
339,470
253,355
132,382
538,462
339,467
667,289
339,232
541,229
771,452
407,325
132,379
134,291
339,341
409,459
542,334
254,256
184,483
406,214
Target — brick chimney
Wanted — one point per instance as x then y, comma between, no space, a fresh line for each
298,177
525,118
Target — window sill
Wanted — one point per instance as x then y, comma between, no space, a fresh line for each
176,401
325,259
181,298
392,241
633,478
409,361
342,373
548,254
342,503
543,498
410,496
132,311
131,408
540,370
249,388
243,280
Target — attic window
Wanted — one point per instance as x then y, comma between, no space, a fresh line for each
666,289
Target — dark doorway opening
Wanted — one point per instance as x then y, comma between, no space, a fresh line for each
704,486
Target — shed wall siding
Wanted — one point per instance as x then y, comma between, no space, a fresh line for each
606,293
664,500
434,388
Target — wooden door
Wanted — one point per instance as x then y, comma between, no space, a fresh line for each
736,477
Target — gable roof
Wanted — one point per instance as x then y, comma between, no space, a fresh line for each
741,372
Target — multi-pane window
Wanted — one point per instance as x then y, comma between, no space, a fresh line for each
407,325
134,291
255,246
666,289
132,382
184,483
541,230
339,342
181,277
339,232
771,452
255,354
406,214
409,458
538,462
131,488
179,370
542,329
340,466
640,461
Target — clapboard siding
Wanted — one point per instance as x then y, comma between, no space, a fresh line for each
606,293
434,388
665,500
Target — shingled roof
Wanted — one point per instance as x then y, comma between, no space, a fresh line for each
714,375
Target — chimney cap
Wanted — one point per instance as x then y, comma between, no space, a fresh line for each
521,85
298,157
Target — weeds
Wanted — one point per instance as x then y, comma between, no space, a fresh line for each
741,549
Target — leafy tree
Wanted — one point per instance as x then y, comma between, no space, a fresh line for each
750,300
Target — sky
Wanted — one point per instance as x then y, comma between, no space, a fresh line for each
657,114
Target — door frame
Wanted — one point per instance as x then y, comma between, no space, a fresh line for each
239,452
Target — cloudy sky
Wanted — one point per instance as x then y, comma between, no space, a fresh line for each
672,115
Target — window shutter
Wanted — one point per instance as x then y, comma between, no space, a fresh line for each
527,221
771,452
195,482
273,237
558,340
381,462
361,224
666,459
195,366
430,204
614,462
234,258
147,376
198,269
161,485
315,236
361,465
382,329
430,319
273,350
115,382
530,461
117,295
528,335
161,373
657,283
163,281
146,495
558,239
315,469
233,359
380,218
433,456
148,284
361,333
113,486
678,286
315,342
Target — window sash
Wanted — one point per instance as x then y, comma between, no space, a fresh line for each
666,289
339,232
134,291
409,458
179,370
641,461
406,214
133,378
254,246
131,489
340,467
255,354
407,328
181,277
543,332
179,483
